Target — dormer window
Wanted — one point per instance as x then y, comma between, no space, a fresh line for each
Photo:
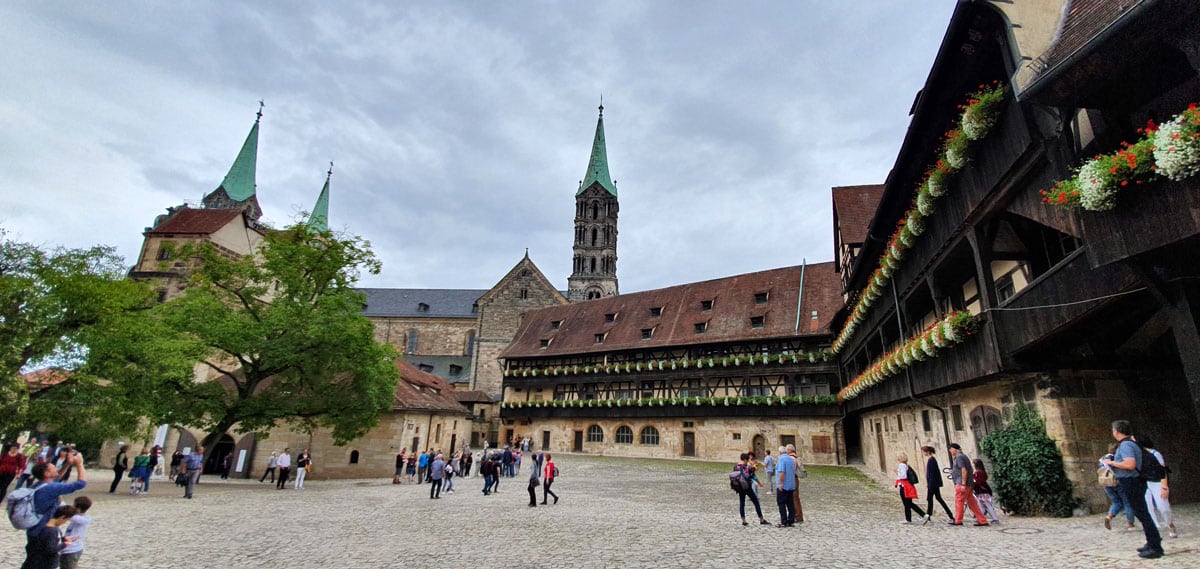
656,312
555,324
455,370
544,343
706,305
425,368
610,317
647,333
701,327
814,315
422,307
757,321
600,338
760,298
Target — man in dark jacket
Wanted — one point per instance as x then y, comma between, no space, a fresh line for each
120,465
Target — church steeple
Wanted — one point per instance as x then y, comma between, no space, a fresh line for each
594,268
597,170
237,190
319,219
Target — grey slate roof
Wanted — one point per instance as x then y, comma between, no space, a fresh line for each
441,366
406,302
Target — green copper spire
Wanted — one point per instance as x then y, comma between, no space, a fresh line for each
319,219
239,182
597,171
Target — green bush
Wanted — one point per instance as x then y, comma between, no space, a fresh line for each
1027,469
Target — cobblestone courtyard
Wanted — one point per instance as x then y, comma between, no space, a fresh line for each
613,513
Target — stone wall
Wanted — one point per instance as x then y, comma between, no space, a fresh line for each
523,289
435,336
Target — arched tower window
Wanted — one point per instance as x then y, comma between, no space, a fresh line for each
595,209
593,237
593,264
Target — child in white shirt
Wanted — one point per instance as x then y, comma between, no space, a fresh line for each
77,531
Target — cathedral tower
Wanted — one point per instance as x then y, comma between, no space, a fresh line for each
237,190
594,270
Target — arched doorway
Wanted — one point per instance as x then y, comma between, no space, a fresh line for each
759,446
215,453
985,420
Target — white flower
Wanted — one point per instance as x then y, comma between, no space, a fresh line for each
906,238
896,252
936,189
1094,193
949,333
925,204
927,347
915,222
976,124
955,158
1176,154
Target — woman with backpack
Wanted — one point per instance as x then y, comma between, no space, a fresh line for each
1157,491
744,477
906,480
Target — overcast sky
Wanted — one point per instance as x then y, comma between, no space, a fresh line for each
460,130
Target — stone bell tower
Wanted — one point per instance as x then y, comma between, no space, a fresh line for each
594,267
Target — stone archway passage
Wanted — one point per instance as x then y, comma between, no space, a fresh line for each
215,453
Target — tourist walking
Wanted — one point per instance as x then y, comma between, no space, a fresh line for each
784,481
437,470
549,474
120,465
1116,500
983,492
1158,502
933,482
411,468
303,467
77,534
177,461
284,463
487,468
192,465
226,465
448,478
747,472
272,464
961,475
12,462
535,478
1126,464
906,481
401,460
45,541
423,467
140,472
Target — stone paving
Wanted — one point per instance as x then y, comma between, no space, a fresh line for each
613,513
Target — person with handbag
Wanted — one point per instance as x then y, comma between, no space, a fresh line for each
1108,481
800,473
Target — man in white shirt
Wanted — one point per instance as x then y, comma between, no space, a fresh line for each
285,467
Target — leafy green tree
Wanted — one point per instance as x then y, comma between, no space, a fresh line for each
1027,467
62,308
283,337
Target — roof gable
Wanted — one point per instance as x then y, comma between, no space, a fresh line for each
525,264
189,221
853,209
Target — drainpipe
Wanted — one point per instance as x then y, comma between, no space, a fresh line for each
908,370
800,296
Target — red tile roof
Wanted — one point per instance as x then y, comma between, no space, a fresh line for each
45,378
853,209
729,320
417,390
190,221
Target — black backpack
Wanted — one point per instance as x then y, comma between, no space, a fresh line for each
912,476
739,480
1151,470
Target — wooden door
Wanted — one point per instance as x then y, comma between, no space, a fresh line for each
689,444
879,445
578,446
545,440
759,447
